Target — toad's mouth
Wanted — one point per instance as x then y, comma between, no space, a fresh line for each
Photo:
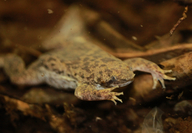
114,82
124,84
100,87
121,84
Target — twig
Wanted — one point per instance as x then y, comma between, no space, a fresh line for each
152,52
184,16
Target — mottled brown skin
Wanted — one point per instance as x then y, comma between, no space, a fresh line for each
84,67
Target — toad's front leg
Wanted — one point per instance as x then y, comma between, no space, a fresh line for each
92,93
150,67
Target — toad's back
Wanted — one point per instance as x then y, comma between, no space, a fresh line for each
87,63
74,52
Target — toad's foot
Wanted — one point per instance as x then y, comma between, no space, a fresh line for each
90,93
160,75
139,64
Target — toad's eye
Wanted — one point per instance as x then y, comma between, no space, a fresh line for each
113,79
